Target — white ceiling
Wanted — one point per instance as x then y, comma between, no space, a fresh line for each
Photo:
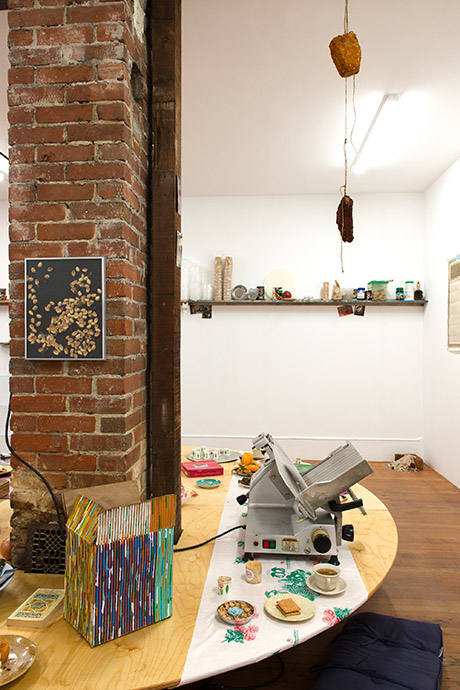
263,105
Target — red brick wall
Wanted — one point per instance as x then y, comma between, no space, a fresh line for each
78,166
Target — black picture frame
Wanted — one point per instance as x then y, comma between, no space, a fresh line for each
65,308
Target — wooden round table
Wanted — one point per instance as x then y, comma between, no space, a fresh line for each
154,657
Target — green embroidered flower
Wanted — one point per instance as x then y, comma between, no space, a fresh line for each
234,636
293,582
239,559
341,613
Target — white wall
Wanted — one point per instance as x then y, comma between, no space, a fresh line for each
306,376
441,368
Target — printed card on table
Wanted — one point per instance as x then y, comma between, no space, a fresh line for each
37,610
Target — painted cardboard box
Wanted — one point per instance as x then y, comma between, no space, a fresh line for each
118,567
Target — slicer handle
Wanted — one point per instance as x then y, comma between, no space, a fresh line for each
342,507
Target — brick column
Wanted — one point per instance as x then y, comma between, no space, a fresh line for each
78,169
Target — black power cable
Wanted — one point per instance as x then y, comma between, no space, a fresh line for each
222,534
39,475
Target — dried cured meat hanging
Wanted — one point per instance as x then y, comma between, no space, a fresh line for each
346,56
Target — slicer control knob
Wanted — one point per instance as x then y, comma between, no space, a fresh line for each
348,532
321,541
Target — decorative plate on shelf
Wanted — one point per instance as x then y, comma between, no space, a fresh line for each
281,278
21,657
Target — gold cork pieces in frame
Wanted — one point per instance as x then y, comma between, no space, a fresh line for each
65,308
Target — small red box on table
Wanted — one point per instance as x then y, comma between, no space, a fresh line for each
206,468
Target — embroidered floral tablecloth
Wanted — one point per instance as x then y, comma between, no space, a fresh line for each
217,647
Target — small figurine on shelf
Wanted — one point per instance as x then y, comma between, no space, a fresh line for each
336,292
418,294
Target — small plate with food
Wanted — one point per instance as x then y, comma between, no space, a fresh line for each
290,607
246,466
17,655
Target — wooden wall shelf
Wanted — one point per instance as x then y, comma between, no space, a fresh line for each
204,307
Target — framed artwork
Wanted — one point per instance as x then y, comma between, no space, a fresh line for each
65,308
453,305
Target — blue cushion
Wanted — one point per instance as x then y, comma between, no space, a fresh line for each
384,653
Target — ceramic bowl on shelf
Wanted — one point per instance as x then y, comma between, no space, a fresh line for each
239,292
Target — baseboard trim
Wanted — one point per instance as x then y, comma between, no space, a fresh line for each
316,447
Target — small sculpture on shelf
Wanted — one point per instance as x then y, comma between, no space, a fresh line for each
336,292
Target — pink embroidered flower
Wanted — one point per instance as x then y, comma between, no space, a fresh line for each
250,632
329,617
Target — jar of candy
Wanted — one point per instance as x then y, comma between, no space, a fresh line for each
360,293
399,293
409,290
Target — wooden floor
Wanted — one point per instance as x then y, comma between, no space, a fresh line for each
424,583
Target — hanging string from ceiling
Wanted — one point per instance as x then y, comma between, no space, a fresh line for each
346,56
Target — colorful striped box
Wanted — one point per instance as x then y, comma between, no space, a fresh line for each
118,567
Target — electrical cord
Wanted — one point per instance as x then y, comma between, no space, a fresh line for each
219,686
39,475
222,534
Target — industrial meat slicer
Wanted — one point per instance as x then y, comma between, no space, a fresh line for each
291,513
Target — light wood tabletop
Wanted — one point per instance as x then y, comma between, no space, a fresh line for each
154,657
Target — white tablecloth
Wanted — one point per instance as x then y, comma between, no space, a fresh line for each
217,647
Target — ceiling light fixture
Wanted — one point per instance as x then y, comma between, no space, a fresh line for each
384,121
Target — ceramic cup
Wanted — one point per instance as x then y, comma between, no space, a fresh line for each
214,454
206,455
223,584
196,453
326,576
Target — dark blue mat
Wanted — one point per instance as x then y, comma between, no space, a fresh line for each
384,653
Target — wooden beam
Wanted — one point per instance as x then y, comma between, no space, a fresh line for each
164,374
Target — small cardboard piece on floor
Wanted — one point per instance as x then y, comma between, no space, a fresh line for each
106,495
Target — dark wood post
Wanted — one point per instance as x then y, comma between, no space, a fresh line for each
164,375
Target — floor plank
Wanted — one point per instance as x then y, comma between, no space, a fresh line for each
424,583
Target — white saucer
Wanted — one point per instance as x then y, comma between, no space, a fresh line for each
341,587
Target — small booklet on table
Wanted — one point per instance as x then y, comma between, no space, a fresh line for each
38,610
